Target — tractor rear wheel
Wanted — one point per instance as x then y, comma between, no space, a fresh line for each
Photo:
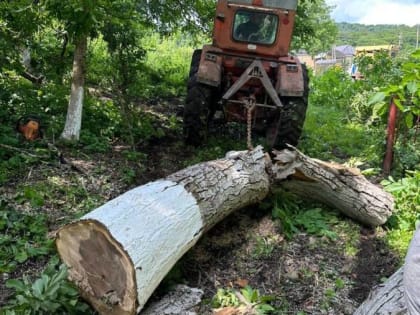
198,106
197,114
288,127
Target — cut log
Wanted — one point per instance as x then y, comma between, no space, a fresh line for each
340,187
386,299
119,253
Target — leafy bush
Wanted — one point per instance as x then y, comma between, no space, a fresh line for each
20,98
224,298
403,222
254,300
259,301
168,62
360,110
334,88
295,216
49,294
405,92
377,70
406,153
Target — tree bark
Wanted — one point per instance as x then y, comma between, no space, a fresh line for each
180,301
340,187
119,253
73,123
386,299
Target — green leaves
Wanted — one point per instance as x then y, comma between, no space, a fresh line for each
314,30
49,294
224,298
406,217
294,218
247,295
377,98
412,87
405,94
22,237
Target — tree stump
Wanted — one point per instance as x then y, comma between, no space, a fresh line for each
118,254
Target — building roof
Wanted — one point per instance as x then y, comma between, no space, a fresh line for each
345,50
326,62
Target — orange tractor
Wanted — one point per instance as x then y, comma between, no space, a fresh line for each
248,74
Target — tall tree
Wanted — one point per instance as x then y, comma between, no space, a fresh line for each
315,31
73,123
81,19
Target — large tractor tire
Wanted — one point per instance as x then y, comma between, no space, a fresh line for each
288,128
198,106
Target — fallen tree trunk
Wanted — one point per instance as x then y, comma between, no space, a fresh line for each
119,253
340,187
386,299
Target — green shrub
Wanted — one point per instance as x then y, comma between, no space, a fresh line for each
294,216
168,62
406,217
49,294
334,88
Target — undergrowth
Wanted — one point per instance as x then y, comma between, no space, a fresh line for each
22,237
406,217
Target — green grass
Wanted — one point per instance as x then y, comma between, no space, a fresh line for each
329,135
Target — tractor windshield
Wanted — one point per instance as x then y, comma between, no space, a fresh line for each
255,27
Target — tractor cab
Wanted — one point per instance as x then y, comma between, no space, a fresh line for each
261,27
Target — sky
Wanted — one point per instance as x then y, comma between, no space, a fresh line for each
376,11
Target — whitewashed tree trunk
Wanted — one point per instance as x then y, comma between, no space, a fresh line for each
73,123
119,253
386,299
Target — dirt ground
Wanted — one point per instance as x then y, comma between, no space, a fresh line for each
310,274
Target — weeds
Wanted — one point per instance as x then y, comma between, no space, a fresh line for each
295,216
247,297
22,236
49,294
264,247
402,224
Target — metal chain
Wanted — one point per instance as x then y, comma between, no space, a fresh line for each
250,104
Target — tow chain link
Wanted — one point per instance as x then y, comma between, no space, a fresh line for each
250,105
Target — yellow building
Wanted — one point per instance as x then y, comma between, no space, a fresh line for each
371,50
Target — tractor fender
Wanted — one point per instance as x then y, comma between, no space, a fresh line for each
210,69
290,81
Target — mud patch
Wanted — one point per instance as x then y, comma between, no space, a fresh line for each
374,262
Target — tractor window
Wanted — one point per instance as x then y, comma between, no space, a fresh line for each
255,27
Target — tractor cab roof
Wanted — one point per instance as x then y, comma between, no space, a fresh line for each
275,4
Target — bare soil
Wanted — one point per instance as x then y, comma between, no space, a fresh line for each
310,274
